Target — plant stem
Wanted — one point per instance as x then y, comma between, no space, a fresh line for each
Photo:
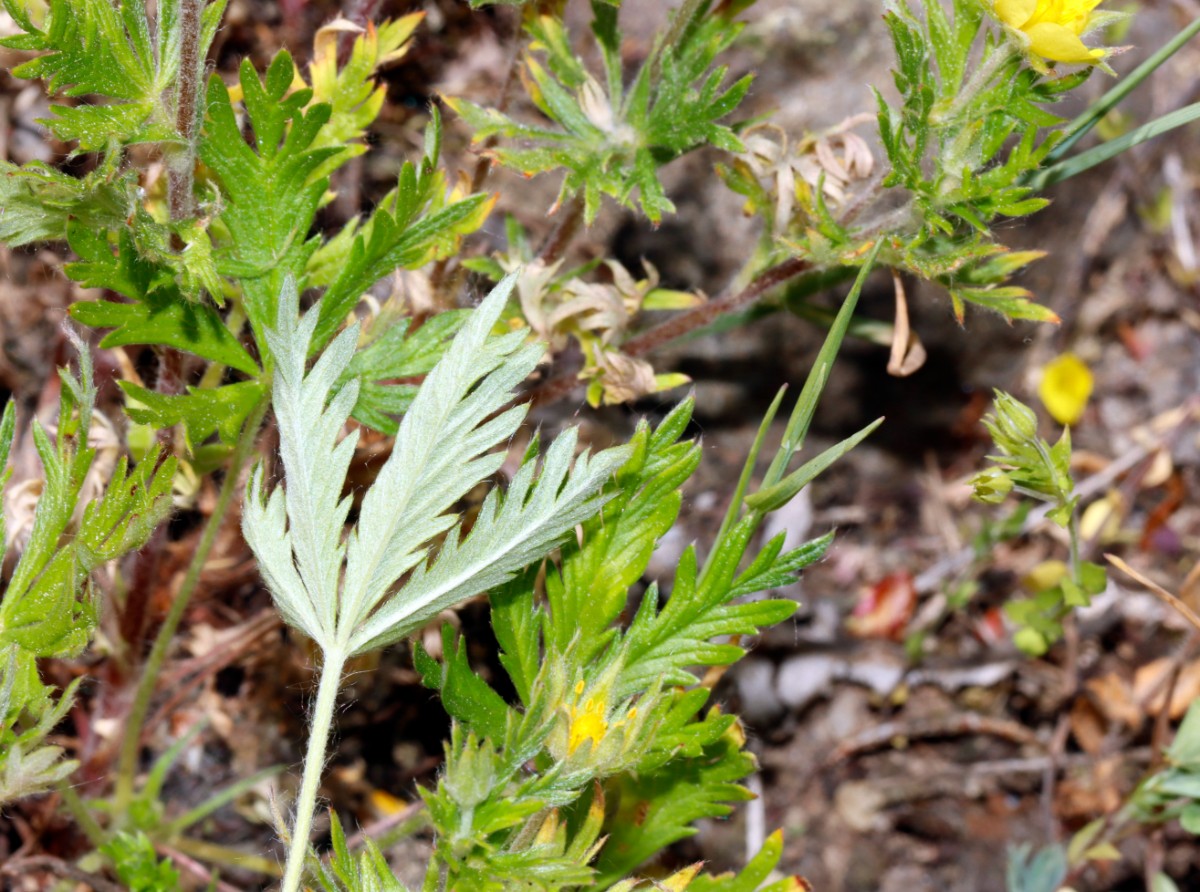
314,765
79,811
684,323
1076,562
703,315
980,80
568,225
680,22
131,743
181,160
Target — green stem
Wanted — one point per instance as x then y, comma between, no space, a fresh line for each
681,21
1076,563
314,765
980,80
79,811
131,743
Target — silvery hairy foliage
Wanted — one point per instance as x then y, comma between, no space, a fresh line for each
345,591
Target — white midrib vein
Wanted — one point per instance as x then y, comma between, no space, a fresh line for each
380,623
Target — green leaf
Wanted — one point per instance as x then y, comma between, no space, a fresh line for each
657,809
396,236
350,88
770,569
93,47
609,140
133,504
48,617
443,449
392,355
464,695
36,202
175,322
1189,818
414,223
269,192
48,607
27,770
137,864
754,875
370,872
814,383
516,621
160,313
1185,748
43,611
1009,301
774,497
1086,160
201,411
1092,577
1036,870
661,645
97,127
591,587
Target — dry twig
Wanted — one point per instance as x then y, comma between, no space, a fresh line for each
1156,589
59,867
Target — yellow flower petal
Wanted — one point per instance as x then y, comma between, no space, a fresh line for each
1058,43
1065,387
1050,29
1015,13
587,724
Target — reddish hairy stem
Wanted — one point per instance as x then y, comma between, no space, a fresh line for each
707,313
683,324
182,167
556,243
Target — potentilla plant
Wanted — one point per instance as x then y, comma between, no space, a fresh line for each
609,750
1027,465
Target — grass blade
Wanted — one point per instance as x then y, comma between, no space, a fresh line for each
1077,164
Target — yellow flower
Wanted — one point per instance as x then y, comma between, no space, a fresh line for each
1065,387
588,723
1052,28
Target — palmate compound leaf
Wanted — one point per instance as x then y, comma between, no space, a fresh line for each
104,49
442,450
611,139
